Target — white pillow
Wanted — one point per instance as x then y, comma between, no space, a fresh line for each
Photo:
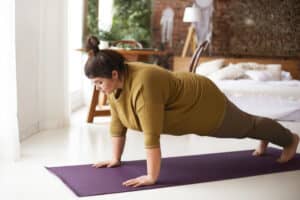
259,75
231,72
275,70
251,66
209,67
272,72
285,75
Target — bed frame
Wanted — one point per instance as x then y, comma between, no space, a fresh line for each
290,65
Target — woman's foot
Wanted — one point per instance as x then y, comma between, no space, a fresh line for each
289,152
261,149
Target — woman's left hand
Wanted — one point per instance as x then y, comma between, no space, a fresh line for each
140,181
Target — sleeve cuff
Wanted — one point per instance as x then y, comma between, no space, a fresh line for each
118,133
151,140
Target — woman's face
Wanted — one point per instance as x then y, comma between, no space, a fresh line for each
107,85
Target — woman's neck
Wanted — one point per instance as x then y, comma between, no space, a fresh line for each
120,83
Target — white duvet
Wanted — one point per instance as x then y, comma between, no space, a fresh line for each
285,89
274,99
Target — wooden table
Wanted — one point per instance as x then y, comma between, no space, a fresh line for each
99,99
140,54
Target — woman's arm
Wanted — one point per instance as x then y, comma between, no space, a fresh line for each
153,163
118,133
153,169
118,144
149,106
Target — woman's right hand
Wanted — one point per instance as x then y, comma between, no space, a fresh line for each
107,163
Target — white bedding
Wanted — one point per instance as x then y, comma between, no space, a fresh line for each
274,99
260,89
268,106
285,89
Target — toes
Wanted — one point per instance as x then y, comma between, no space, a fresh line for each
255,153
282,160
258,153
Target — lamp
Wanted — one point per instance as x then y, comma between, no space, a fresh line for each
191,14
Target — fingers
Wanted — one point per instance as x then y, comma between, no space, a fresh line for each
101,164
139,181
110,165
114,164
131,182
98,165
107,164
138,185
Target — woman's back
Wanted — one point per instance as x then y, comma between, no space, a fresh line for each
157,100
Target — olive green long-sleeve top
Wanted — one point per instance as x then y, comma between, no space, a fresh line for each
156,101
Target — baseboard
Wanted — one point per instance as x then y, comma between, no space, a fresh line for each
42,126
29,131
76,100
53,124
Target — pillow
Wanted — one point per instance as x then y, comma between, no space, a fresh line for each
286,75
259,75
251,66
230,72
272,72
275,70
209,67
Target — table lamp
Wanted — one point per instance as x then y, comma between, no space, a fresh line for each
191,14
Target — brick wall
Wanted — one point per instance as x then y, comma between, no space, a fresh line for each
269,28
264,28
179,27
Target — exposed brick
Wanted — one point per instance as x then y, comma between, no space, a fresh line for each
275,32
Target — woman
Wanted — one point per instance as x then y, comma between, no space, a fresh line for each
150,99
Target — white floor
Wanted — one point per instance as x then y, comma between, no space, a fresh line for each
87,143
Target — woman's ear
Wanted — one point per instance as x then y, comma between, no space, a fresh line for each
90,53
115,74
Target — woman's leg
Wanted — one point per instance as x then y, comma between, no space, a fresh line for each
261,149
289,152
268,130
239,124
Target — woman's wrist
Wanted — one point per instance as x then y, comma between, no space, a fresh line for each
152,178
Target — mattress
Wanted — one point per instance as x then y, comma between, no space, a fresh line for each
286,89
278,100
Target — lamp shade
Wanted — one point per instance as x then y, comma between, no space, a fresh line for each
191,14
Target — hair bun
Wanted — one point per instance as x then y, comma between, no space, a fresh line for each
92,44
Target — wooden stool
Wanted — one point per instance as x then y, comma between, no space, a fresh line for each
99,99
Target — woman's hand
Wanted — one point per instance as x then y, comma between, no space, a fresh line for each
118,146
153,169
140,181
108,163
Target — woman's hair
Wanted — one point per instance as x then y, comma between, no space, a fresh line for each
101,63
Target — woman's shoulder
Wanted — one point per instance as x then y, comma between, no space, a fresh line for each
146,68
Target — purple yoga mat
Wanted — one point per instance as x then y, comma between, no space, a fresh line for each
85,180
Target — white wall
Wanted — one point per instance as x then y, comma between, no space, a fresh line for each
41,35
27,60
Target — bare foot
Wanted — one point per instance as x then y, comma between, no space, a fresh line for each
289,152
261,149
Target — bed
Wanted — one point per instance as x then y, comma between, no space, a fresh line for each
267,87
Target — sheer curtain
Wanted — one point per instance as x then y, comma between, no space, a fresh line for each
75,58
9,133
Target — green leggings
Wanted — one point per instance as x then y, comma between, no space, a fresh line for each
239,124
